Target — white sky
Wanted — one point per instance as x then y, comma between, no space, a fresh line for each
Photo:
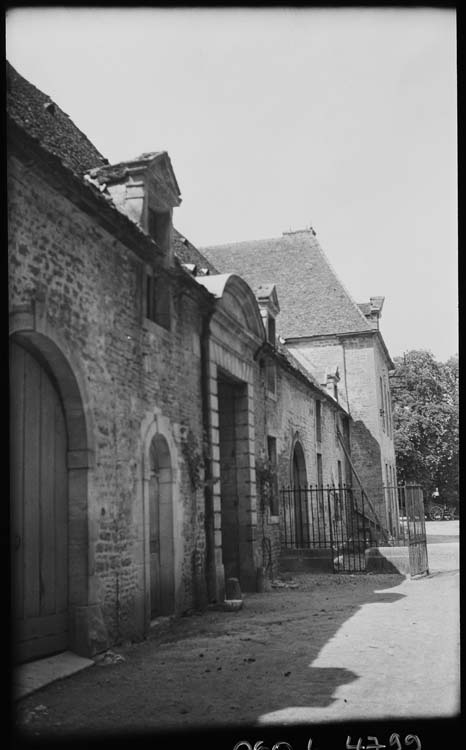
343,119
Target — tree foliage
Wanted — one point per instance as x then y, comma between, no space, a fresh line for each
425,417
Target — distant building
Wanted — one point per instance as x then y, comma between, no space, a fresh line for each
335,339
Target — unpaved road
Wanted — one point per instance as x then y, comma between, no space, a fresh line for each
337,647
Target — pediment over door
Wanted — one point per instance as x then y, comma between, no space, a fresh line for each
237,301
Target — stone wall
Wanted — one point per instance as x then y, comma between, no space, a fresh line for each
290,416
361,363
91,290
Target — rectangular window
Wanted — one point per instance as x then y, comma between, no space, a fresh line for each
340,475
158,300
159,223
335,391
387,416
389,411
271,377
320,475
272,455
382,409
271,330
318,421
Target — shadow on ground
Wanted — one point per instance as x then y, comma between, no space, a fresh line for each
216,669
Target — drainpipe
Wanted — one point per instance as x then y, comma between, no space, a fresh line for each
208,487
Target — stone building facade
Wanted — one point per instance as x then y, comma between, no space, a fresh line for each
335,340
148,391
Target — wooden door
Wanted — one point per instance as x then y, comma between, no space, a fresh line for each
154,546
301,516
161,543
39,509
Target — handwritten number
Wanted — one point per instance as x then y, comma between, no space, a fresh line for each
410,738
349,746
395,738
376,744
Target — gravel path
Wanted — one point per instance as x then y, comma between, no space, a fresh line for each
336,647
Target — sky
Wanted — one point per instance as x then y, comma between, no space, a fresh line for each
277,119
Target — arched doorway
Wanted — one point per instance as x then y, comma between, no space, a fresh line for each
39,507
161,543
298,482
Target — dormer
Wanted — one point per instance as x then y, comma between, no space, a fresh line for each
372,310
330,380
144,189
267,299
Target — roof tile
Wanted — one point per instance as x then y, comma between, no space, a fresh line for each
34,111
313,301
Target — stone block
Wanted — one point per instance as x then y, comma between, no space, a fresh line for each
307,560
388,560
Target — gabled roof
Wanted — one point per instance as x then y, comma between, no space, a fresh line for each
157,163
44,121
313,300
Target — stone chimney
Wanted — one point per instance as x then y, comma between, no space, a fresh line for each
372,310
330,380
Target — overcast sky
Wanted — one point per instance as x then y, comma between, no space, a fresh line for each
341,119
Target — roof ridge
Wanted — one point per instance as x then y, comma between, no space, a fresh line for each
226,245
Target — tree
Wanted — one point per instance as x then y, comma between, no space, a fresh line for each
425,417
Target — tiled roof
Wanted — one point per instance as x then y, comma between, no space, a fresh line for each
42,119
312,299
187,253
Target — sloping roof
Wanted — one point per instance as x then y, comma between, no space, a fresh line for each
187,253
42,119
313,300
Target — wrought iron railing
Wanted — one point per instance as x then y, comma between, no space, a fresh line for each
339,519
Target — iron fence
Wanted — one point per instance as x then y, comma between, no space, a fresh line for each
343,520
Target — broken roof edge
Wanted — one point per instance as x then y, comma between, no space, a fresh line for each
114,173
134,237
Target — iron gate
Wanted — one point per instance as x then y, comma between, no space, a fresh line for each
343,521
411,529
339,519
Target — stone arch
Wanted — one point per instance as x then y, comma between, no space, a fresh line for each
161,540
300,498
237,299
162,518
45,346
298,473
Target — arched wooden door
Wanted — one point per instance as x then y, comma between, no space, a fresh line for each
161,546
299,480
39,508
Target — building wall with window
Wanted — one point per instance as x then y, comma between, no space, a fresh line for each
283,417
363,390
76,283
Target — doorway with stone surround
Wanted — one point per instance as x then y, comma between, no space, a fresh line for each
161,548
234,478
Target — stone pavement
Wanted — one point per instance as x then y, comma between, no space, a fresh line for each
337,648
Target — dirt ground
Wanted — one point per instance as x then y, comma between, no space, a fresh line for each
316,648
